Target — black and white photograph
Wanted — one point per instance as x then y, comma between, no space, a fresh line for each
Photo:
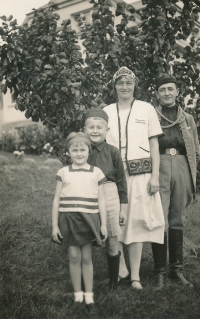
99,159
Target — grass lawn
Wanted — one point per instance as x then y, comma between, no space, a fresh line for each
34,275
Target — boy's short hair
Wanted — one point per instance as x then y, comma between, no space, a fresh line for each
96,118
75,138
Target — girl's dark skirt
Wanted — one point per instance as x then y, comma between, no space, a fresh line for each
80,228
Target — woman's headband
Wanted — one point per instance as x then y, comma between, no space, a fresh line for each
123,71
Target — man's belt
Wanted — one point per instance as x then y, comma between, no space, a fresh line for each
172,151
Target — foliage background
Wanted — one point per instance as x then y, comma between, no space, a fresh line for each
43,66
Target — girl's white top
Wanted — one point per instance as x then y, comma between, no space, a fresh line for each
80,189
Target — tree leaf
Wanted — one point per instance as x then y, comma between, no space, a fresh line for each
3,88
9,18
3,18
48,67
38,61
64,61
13,23
131,18
2,32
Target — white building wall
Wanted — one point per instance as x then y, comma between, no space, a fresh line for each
10,114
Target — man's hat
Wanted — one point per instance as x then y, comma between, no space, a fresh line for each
163,79
123,71
77,138
96,112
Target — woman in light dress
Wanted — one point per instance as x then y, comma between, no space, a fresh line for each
134,129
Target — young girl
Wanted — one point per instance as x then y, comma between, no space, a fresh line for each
78,200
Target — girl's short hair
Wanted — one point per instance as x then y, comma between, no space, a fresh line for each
77,137
76,144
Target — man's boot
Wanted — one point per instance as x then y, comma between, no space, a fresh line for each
176,257
160,263
113,270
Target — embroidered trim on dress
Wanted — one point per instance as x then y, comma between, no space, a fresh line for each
139,166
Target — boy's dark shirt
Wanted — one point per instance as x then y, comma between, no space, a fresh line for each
107,157
173,136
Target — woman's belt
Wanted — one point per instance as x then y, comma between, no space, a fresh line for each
172,151
139,166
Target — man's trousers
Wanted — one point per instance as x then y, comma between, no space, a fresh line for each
176,189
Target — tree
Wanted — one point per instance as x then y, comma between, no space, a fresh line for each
150,47
43,66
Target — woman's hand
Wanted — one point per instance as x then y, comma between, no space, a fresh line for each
153,185
122,214
56,235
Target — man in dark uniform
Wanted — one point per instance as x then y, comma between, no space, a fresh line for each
179,153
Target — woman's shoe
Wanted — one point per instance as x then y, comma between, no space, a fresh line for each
128,277
135,284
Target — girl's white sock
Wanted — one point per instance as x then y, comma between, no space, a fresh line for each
78,296
88,297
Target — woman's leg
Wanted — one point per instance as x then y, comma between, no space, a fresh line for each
123,271
75,271
135,253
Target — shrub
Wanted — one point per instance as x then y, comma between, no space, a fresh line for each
30,139
4,160
9,141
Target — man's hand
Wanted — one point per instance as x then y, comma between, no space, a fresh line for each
153,185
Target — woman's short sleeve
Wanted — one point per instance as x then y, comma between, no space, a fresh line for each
154,128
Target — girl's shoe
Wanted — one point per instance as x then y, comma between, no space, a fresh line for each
135,284
92,309
78,307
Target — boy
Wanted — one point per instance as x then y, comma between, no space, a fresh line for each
108,159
